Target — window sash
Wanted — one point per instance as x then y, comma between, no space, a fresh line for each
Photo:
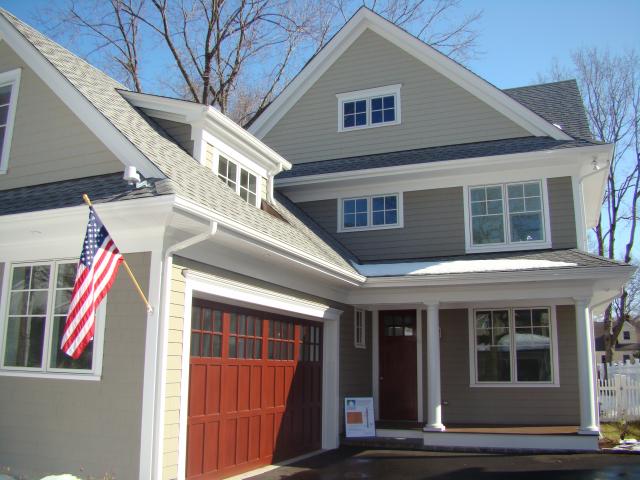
482,207
352,117
49,349
371,212
529,337
239,179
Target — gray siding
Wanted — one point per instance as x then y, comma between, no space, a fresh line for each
435,111
180,132
49,142
561,213
519,406
84,427
433,226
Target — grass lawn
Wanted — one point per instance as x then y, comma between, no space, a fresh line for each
612,431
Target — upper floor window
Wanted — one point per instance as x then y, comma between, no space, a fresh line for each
372,212
239,179
369,108
509,214
9,82
37,300
626,335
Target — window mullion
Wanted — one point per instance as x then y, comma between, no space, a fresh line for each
48,321
512,328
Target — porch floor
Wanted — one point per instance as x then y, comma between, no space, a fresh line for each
484,429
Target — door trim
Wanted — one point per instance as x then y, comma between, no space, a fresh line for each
237,293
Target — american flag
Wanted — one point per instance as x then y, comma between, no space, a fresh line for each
97,269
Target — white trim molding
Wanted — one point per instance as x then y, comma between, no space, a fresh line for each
9,78
367,95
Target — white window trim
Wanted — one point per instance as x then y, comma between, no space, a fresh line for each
12,77
555,367
239,165
507,245
367,95
45,371
399,203
359,316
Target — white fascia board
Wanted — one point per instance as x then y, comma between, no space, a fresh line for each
621,272
99,125
455,72
271,244
218,124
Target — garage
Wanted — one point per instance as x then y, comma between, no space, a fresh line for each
255,389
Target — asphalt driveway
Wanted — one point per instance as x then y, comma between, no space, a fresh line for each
358,463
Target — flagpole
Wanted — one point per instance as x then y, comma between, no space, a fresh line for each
86,199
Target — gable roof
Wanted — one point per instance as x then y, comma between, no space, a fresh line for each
367,19
158,156
557,102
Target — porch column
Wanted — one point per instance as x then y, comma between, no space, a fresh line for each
434,403
586,377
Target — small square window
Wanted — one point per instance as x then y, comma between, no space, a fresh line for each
369,108
238,179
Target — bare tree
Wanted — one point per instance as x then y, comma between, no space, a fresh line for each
237,55
610,86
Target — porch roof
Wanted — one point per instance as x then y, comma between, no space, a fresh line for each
532,260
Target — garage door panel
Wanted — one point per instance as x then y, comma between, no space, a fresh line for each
255,390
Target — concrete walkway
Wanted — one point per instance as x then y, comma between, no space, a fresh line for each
356,463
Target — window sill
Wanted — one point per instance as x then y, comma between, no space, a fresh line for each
367,127
510,247
367,229
51,375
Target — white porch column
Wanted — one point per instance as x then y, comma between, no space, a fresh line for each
419,364
586,377
434,403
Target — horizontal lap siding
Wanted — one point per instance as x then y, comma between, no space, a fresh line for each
561,212
435,111
49,142
433,226
84,427
495,405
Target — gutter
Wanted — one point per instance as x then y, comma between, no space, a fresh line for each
161,358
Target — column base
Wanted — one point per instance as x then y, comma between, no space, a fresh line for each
437,427
588,431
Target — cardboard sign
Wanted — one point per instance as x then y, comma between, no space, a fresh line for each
359,418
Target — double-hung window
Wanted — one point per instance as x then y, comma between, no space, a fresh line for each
372,212
513,346
9,82
37,302
239,180
369,108
509,214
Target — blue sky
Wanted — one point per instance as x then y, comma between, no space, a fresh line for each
518,38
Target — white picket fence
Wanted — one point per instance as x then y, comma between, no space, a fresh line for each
619,398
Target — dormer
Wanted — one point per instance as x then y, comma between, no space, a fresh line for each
240,160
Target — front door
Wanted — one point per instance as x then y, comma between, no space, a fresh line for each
398,365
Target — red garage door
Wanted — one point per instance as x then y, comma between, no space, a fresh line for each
254,389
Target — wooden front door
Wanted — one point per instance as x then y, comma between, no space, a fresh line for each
398,365
255,390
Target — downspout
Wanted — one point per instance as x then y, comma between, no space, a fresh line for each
161,362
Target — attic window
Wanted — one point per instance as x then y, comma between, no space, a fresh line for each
375,107
9,82
239,180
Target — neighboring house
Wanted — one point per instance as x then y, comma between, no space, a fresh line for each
626,347
435,263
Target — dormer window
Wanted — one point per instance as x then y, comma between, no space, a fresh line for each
239,180
374,107
8,98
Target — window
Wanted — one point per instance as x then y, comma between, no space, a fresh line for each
374,107
507,214
239,180
206,332
38,300
359,338
626,335
245,336
281,340
9,82
513,346
309,344
374,212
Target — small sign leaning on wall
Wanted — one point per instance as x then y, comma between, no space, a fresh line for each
359,417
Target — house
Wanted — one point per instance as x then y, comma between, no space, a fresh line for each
392,226
626,347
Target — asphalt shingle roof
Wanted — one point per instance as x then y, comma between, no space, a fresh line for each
185,177
433,154
557,102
